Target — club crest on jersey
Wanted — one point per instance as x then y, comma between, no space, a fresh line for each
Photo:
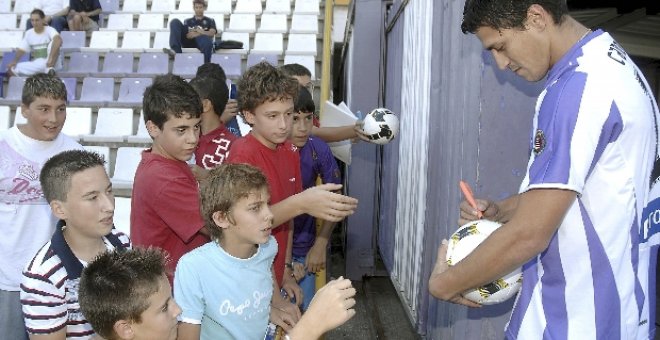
539,142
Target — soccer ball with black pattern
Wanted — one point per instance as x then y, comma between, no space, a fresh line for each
381,125
462,243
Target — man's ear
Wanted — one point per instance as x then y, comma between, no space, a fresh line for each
538,17
221,219
124,329
153,130
206,105
58,209
249,117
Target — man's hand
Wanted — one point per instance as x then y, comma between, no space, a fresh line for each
192,34
323,203
231,110
291,287
284,313
316,258
489,209
332,305
299,271
199,172
359,133
440,267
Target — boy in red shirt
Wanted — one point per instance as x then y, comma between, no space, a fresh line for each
265,99
165,201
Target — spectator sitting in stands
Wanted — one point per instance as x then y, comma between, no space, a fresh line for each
43,42
84,15
56,12
198,31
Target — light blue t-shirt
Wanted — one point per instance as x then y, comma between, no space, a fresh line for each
229,297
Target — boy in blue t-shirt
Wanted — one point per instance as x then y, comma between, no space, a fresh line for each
316,159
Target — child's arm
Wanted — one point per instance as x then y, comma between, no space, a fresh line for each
289,282
317,254
59,335
318,201
340,133
282,312
188,331
331,307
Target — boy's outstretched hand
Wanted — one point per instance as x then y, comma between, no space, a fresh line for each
321,202
284,313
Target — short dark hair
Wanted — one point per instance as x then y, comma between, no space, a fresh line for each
170,95
224,186
264,83
211,70
55,177
117,286
304,103
199,2
506,14
43,85
212,89
39,12
294,69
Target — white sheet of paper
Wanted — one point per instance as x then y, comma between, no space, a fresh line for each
338,115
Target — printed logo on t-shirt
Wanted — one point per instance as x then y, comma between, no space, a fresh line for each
21,184
210,161
251,307
539,142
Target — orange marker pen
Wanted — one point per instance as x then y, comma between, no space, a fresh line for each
469,196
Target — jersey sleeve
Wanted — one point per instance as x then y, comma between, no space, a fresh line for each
178,206
212,25
327,166
44,304
571,134
188,291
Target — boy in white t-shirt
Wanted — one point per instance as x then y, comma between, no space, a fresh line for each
43,42
56,12
26,222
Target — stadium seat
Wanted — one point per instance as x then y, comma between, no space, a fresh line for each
22,23
219,19
117,64
23,6
112,125
273,23
96,91
219,6
305,60
142,135
109,6
5,6
8,21
248,6
152,64
255,58
103,151
185,6
269,43
161,40
238,36
103,41
72,40
151,22
242,23
181,16
70,84
78,122
302,44
163,6
119,22
5,114
7,58
186,64
307,7
81,64
126,162
136,41
122,217
131,91
231,63
14,91
278,6
135,6
10,39
304,23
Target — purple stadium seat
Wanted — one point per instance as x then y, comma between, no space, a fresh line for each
152,64
109,6
70,84
255,58
231,63
96,91
186,64
72,40
117,64
14,91
7,58
131,91
81,64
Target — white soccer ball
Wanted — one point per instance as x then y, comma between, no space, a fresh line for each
463,242
381,125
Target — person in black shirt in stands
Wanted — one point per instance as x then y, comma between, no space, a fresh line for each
198,31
